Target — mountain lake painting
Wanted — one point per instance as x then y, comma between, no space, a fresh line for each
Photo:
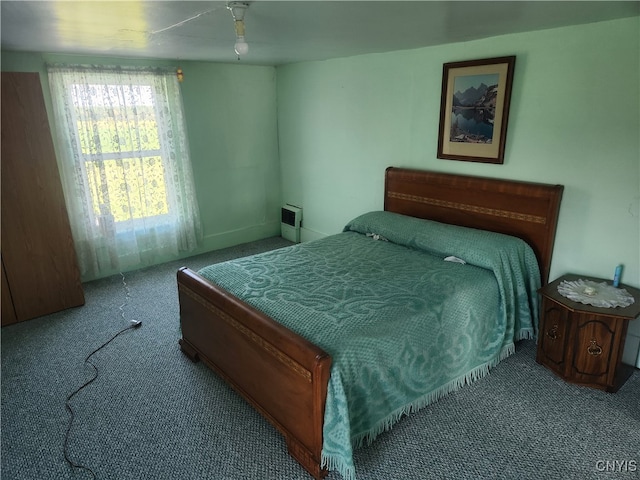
473,108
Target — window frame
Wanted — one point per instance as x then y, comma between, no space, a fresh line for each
105,222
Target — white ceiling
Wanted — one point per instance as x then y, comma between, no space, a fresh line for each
278,32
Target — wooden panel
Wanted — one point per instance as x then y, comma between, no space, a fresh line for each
630,312
593,349
522,209
37,246
553,335
280,373
8,312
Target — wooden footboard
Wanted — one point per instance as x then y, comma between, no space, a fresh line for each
281,374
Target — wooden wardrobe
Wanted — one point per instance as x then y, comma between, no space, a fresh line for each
39,268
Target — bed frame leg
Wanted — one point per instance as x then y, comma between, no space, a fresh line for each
188,350
304,457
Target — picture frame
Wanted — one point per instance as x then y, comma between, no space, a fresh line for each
474,109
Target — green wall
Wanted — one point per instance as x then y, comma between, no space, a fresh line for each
322,135
230,112
232,127
574,120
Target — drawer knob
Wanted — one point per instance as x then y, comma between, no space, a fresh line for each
594,348
552,333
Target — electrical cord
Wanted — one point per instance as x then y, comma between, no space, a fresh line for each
87,360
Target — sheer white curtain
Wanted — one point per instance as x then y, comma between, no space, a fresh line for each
125,166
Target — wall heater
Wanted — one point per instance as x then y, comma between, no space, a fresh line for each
291,223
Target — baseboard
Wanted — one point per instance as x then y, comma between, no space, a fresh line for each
237,237
209,243
307,235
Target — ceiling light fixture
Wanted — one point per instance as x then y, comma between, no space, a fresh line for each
238,9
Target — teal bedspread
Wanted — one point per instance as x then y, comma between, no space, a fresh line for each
403,326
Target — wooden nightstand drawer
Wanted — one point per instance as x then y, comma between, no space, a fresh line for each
553,337
593,349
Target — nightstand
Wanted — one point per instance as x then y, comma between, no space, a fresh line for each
581,343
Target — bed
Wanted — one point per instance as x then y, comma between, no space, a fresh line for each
333,386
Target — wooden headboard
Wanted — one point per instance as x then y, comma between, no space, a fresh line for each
522,209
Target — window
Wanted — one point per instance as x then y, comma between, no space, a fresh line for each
125,166
120,146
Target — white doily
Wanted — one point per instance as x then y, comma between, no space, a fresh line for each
596,294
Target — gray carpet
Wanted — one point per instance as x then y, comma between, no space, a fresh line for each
152,414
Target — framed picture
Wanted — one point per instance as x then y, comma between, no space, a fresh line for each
474,109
